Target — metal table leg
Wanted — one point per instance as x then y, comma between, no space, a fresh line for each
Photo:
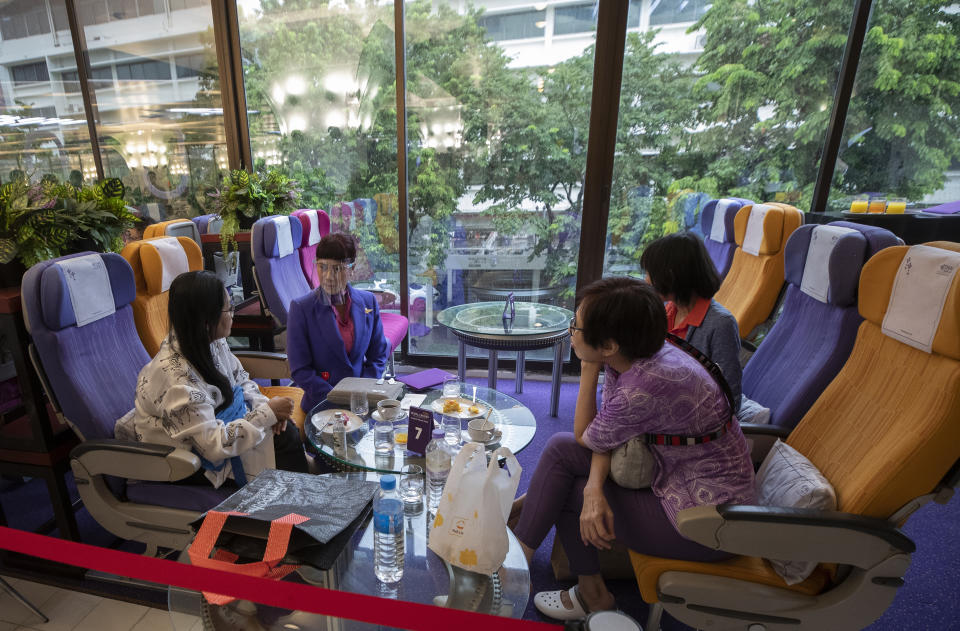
492,370
557,369
462,362
521,360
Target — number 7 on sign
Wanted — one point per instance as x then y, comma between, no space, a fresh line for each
420,430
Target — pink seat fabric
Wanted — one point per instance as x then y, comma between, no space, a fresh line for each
308,244
395,328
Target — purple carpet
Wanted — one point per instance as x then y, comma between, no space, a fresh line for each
926,601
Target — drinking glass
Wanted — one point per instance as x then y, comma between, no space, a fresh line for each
451,429
411,484
359,404
451,387
383,437
877,205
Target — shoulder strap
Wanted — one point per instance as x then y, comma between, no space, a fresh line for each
707,363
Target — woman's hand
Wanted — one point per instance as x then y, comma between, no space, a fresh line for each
282,408
592,368
596,519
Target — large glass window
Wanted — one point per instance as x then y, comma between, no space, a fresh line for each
746,117
23,18
577,18
497,151
321,104
900,143
43,131
673,11
516,25
161,132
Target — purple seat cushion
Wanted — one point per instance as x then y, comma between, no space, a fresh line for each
721,252
800,356
192,497
281,279
92,369
811,341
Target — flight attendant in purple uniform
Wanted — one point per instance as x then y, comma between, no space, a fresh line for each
334,331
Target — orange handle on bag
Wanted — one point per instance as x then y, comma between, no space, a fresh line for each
278,540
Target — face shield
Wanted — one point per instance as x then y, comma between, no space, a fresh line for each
333,280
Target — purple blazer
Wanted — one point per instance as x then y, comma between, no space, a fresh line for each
318,359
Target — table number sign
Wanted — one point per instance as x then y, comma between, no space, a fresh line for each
419,430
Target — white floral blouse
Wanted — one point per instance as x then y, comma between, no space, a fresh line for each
174,406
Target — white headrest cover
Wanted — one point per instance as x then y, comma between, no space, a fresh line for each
284,236
172,258
89,287
919,293
753,238
816,272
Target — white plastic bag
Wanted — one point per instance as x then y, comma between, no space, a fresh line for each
470,529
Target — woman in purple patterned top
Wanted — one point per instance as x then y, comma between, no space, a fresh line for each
649,388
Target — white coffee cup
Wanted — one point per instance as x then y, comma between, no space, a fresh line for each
388,409
481,429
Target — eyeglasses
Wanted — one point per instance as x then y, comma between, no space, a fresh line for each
336,268
574,327
231,311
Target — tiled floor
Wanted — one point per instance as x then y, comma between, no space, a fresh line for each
72,611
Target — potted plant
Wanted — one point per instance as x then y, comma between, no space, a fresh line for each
51,218
245,197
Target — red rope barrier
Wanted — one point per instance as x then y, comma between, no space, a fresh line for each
309,598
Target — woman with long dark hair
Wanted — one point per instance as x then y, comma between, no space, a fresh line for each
195,394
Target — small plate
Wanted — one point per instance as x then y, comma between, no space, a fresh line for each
323,421
375,415
464,413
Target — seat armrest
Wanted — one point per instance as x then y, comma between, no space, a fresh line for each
761,437
264,365
141,461
794,534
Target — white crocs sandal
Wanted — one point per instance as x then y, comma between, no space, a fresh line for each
549,604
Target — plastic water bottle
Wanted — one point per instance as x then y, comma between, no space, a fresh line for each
339,432
388,532
438,459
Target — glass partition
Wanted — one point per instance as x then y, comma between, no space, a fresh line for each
736,105
497,117
156,84
43,129
321,105
899,151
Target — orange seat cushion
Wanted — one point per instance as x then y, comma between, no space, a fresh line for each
150,305
299,416
754,569
751,287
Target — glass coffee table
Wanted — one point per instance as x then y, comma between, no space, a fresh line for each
427,579
515,421
533,326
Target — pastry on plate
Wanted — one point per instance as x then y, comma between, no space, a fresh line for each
450,406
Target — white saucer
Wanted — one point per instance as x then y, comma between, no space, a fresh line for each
375,415
497,436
